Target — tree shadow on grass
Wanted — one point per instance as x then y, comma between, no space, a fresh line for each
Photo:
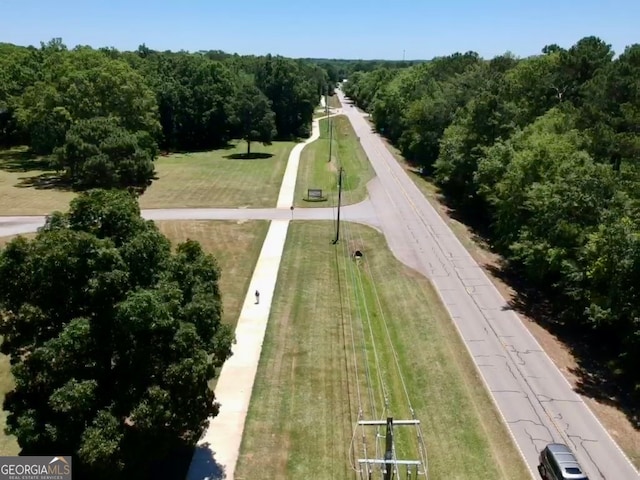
201,459
46,181
248,156
200,149
22,161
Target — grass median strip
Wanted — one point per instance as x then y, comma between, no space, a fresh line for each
317,172
305,403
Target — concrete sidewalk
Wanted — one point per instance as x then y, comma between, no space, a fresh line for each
218,449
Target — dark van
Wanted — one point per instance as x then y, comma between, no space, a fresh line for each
557,462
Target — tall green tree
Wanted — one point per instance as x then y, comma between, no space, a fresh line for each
112,338
293,96
99,153
256,120
80,85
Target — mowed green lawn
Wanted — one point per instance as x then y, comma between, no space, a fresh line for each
305,401
315,170
334,101
236,246
28,186
218,178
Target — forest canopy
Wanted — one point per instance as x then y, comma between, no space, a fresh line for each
542,155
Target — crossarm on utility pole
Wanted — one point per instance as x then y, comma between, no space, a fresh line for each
384,422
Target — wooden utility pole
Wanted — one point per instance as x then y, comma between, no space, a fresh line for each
339,202
389,465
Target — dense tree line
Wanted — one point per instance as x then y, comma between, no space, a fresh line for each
543,150
53,98
339,69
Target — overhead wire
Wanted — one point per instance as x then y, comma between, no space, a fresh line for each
359,292
342,292
421,444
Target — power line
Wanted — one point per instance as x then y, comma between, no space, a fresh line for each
390,460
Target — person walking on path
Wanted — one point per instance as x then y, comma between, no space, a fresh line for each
257,297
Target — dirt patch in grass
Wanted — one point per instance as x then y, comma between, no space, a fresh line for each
329,311
614,419
317,172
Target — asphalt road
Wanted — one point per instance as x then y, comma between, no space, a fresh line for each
535,400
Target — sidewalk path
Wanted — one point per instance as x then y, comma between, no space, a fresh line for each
217,452
362,212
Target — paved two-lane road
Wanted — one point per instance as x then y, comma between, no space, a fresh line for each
535,400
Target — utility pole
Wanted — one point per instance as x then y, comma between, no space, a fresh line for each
330,136
326,101
388,464
339,201
388,450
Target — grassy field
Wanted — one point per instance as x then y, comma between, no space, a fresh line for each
28,186
305,400
235,245
219,178
315,171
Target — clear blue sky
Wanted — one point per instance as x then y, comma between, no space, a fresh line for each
337,29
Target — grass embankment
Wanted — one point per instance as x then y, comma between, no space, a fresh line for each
218,178
235,245
334,102
317,172
305,400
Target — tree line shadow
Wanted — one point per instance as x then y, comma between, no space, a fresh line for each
24,161
178,463
594,377
47,178
248,156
